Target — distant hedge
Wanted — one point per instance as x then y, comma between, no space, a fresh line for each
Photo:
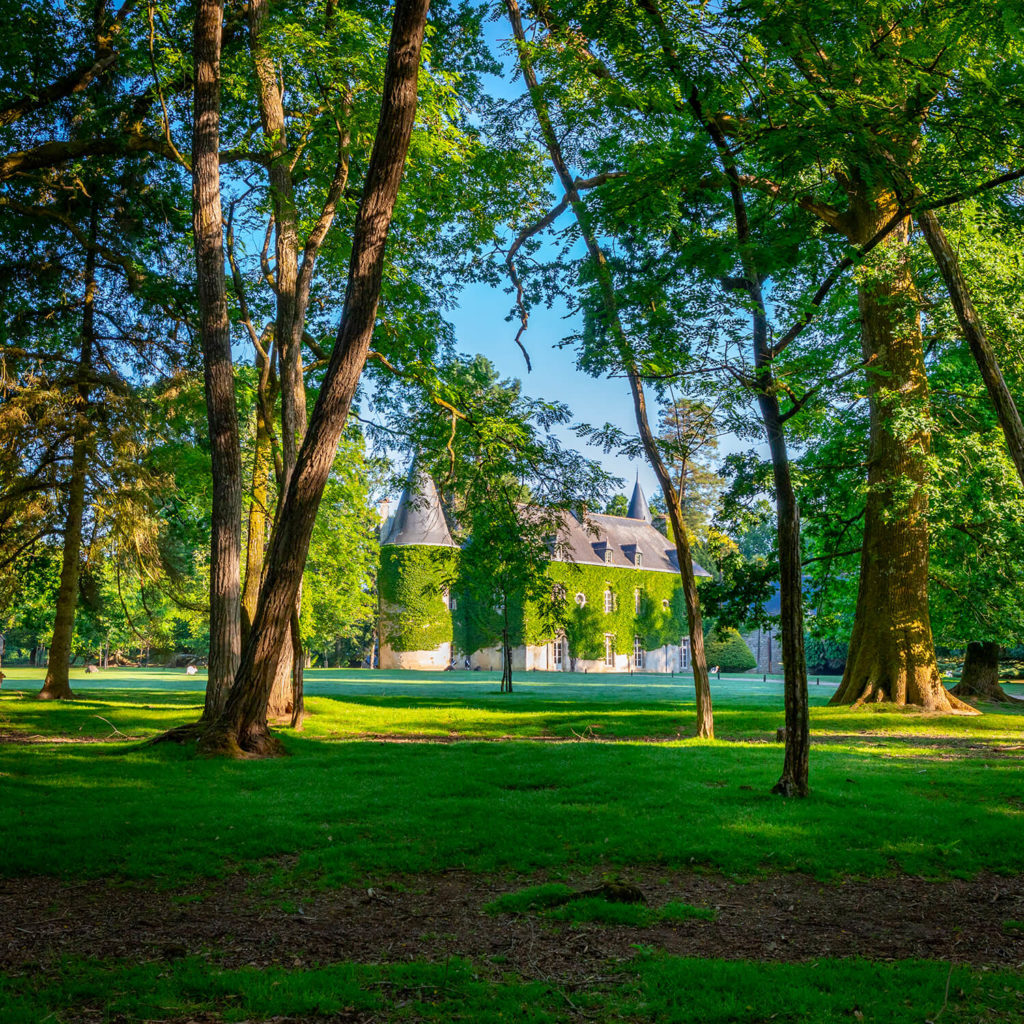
728,651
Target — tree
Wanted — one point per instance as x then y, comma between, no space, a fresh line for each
689,439
618,506
218,370
242,726
626,360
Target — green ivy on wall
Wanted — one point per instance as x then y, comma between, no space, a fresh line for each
415,617
586,626
414,576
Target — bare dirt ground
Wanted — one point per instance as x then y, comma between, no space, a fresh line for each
782,918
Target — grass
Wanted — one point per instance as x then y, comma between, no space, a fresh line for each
893,792
561,903
341,810
650,988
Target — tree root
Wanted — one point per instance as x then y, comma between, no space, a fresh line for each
213,740
788,787
47,694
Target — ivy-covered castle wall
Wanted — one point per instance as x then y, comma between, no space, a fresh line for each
419,630
415,620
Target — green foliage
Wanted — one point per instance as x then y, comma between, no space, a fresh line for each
338,594
729,651
411,583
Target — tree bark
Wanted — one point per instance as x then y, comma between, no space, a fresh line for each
892,653
242,726
57,684
256,537
299,663
292,284
974,332
624,351
980,677
219,380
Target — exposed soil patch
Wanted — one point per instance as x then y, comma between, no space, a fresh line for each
783,918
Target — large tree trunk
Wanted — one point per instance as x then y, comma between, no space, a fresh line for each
974,332
219,379
242,727
892,654
701,684
293,282
980,677
57,684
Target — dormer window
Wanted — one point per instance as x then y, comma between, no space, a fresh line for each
608,555
638,560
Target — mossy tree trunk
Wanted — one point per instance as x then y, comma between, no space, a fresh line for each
219,379
980,677
57,684
892,653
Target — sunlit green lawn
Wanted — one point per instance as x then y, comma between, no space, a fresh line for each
902,799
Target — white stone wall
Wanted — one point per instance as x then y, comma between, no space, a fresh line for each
423,661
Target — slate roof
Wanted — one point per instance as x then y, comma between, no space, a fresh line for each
616,541
419,518
599,539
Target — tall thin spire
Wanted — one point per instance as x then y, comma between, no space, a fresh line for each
638,503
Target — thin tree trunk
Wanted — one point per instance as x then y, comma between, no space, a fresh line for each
256,538
974,332
980,677
506,653
702,687
794,780
57,684
242,727
293,282
215,335
299,663
892,653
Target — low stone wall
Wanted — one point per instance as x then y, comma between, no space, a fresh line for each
422,661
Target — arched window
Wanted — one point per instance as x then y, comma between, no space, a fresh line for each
581,600
665,604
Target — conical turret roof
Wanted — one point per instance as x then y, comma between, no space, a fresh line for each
419,518
638,505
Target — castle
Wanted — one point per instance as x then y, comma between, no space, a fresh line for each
617,578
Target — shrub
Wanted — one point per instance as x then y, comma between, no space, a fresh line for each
729,651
